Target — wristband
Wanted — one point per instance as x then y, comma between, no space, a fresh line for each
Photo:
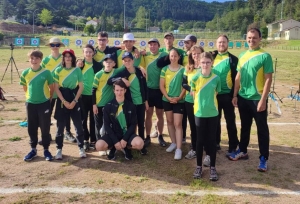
75,100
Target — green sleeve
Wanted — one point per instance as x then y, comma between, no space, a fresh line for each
49,78
55,76
268,64
163,72
22,78
45,62
79,74
218,88
96,79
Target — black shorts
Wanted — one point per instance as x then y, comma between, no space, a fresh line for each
106,138
155,98
175,107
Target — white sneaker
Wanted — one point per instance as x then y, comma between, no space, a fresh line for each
171,148
178,154
82,153
58,155
206,161
191,154
103,153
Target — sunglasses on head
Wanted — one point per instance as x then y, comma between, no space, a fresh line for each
54,45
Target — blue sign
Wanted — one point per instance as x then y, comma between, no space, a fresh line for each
180,43
78,42
202,44
117,43
211,44
66,42
19,41
35,42
143,43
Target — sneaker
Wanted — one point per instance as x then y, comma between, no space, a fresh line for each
154,133
178,154
161,141
58,155
206,161
238,155
147,141
82,153
69,136
183,140
144,151
171,148
263,164
48,156
229,152
103,153
191,154
198,172
86,146
111,155
128,155
218,147
213,174
30,155
92,146
41,143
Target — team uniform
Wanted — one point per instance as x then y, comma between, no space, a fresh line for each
162,62
173,85
225,67
68,80
99,56
137,61
37,103
206,113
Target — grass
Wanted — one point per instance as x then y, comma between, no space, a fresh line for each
200,184
14,139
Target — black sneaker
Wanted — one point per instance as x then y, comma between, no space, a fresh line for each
69,136
111,155
48,156
92,146
86,146
128,154
147,141
41,142
161,141
144,151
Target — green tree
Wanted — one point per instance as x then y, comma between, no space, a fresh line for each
8,9
167,24
89,29
45,17
89,18
21,5
140,18
1,36
103,21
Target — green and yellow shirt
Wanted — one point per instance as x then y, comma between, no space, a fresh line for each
121,118
181,52
68,78
188,97
137,61
88,78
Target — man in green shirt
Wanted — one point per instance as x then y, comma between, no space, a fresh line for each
252,86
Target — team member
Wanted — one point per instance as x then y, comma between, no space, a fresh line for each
252,86
205,86
154,93
173,102
225,67
191,69
189,42
119,123
88,74
37,84
68,86
137,93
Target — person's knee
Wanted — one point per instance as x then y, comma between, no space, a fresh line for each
101,145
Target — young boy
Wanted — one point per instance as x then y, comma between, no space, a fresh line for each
37,84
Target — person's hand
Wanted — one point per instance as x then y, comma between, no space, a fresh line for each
261,106
176,99
234,101
66,104
123,143
136,53
146,105
143,52
95,109
143,72
127,83
172,100
118,146
79,63
72,105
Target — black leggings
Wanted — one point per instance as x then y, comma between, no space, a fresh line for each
189,108
140,113
89,133
98,122
206,134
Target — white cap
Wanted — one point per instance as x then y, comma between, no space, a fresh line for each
128,36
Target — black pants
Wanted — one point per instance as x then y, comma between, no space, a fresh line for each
140,114
98,122
68,121
225,104
206,134
189,109
88,113
184,122
38,115
248,111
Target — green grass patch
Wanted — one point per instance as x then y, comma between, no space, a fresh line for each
200,184
14,139
100,181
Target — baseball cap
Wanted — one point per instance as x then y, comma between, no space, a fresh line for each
109,56
128,36
127,54
168,34
153,40
70,51
191,38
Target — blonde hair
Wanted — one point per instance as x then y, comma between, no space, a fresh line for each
191,62
207,55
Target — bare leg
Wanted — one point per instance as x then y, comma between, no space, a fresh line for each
171,127
178,128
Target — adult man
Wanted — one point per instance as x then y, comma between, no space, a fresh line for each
252,83
189,41
225,67
119,123
154,93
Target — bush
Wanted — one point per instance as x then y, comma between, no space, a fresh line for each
1,36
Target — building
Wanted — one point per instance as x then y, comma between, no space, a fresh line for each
284,30
92,22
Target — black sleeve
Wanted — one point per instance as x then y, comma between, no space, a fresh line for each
97,66
233,66
132,123
145,87
185,83
163,61
94,95
107,127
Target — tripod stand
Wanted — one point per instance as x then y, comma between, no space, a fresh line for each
11,62
273,93
296,94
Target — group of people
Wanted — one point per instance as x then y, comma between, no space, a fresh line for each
110,96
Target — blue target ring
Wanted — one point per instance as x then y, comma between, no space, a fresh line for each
202,44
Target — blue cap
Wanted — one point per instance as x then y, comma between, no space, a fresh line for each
127,54
109,56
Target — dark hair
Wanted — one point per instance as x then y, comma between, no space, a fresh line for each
103,34
168,56
89,46
254,29
73,60
191,65
36,53
120,83
223,35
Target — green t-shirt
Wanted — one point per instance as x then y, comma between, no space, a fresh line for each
135,89
137,61
205,90
173,82
164,49
99,56
188,97
252,66
153,72
121,118
222,69
68,78
88,78
37,83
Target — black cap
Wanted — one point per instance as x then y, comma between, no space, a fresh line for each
109,56
168,34
153,40
191,38
127,54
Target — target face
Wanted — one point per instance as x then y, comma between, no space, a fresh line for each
91,42
180,43
66,42
143,43
117,42
34,41
211,44
202,44
19,41
78,42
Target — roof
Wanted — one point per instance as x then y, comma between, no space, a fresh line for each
291,28
280,21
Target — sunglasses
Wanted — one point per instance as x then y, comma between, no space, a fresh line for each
54,45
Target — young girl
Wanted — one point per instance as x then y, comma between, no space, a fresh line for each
205,86
173,103
191,69
68,86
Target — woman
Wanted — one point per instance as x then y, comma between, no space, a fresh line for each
68,86
173,103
